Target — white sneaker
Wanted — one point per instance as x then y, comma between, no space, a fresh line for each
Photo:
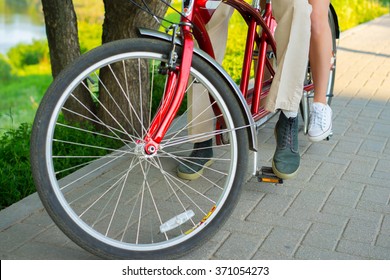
320,125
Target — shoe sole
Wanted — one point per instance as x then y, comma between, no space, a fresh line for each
283,176
193,176
320,137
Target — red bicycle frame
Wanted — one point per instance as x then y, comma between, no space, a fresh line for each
261,27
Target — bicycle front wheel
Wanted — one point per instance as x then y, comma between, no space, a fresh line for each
90,166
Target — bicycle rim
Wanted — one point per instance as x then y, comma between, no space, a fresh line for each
97,182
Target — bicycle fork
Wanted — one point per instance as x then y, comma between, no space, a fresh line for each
175,88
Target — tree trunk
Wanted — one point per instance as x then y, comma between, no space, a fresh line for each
62,35
122,18
121,21
61,31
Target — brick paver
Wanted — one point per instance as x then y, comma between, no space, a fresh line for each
337,207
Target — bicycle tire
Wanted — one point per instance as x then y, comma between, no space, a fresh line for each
114,202
307,98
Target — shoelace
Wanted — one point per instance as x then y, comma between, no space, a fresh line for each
318,118
288,136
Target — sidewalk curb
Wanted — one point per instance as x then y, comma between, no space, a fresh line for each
20,211
353,30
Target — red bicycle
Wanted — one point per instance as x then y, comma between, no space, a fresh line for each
112,129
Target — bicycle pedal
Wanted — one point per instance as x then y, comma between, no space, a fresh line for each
266,175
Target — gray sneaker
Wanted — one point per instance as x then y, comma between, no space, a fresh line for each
192,167
286,159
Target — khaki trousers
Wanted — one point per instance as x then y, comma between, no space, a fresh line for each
292,37
200,112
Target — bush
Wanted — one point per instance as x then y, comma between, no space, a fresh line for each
29,54
353,12
5,69
90,36
15,175
16,180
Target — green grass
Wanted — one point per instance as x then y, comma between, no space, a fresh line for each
20,98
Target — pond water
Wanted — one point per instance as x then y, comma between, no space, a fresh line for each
19,23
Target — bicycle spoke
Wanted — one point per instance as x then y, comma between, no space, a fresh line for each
178,180
108,112
194,138
140,98
194,119
90,132
145,174
117,202
95,189
110,128
115,102
103,123
88,173
175,181
139,119
151,92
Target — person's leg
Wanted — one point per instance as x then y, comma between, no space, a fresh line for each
320,62
293,39
200,113
320,48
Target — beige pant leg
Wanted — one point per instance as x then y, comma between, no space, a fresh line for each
200,113
293,40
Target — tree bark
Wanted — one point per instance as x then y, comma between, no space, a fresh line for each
62,36
61,31
121,21
122,18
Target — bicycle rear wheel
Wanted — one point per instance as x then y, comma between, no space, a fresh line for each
89,164
307,98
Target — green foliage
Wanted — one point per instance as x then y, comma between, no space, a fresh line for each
89,12
353,12
171,16
90,36
5,69
15,176
234,56
29,54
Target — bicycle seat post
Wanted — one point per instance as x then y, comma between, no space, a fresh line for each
256,4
